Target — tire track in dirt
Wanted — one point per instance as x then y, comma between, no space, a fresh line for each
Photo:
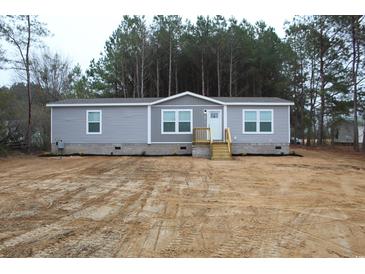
42,233
60,227
181,243
243,244
134,205
273,244
231,248
99,244
293,237
187,234
180,206
288,238
134,202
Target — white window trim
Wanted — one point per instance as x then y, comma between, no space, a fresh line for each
177,121
257,121
289,137
225,117
51,125
87,121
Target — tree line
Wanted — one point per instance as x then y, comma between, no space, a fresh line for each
326,72
319,65
214,57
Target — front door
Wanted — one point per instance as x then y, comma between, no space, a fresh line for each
214,122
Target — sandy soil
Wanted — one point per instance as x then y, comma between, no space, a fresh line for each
311,206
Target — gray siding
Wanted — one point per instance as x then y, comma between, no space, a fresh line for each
128,125
119,125
281,130
187,100
199,120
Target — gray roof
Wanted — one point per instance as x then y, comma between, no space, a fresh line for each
153,99
108,100
251,99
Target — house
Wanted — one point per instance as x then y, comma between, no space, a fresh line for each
344,131
185,123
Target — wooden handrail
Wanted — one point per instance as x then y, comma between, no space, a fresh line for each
202,135
227,133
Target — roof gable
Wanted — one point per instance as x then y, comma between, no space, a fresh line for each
187,100
188,93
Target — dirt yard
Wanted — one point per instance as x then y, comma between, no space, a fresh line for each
311,206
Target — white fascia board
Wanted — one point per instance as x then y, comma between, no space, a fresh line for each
98,105
187,93
148,104
260,104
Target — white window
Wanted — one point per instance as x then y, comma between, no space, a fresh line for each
258,121
184,121
250,121
93,121
176,121
169,121
265,121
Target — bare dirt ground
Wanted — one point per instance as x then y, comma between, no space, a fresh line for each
311,206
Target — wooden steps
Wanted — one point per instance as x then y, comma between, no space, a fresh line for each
220,151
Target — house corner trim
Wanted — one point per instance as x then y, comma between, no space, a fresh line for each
149,124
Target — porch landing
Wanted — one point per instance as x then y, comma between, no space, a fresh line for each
204,146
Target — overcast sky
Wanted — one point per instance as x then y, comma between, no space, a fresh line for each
82,39
81,27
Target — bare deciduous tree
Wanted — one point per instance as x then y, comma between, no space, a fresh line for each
22,31
52,73
2,57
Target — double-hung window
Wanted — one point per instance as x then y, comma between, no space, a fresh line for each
250,118
265,121
177,121
169,121
258,121
93,122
